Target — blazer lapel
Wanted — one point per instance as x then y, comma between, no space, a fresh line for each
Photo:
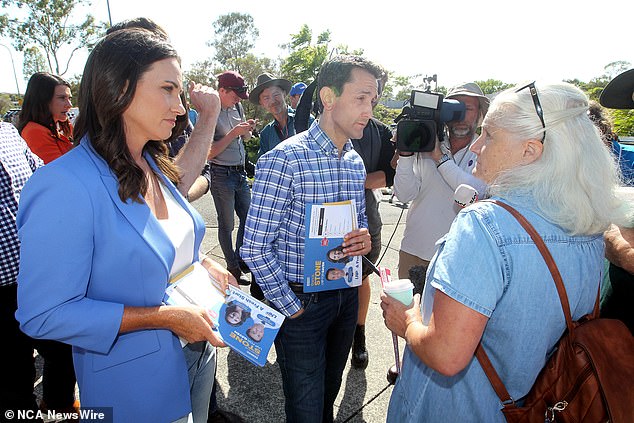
137,214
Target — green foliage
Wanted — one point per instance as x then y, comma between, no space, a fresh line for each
47,26
201,72
34,61
235,36
252,145
492,86
385,114
5,103
304,58
623,122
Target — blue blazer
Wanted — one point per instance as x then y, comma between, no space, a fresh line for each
84,255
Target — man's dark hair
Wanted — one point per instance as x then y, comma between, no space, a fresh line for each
334,73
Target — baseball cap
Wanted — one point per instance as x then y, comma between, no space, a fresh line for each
298,89
619,93
233,81
471,89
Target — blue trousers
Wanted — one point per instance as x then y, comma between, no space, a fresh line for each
312,351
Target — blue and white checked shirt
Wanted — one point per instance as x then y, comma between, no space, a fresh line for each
17,164
304,169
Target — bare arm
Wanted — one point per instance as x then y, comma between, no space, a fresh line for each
193,155
242,129
374,180
448,344
619,247
191,323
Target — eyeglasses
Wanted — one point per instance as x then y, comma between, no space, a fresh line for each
238,90
538,105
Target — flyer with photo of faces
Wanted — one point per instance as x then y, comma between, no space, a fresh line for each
325,266
245,324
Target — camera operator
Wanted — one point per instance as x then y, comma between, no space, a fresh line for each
429,180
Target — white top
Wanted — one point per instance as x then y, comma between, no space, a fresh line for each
179,228
431,191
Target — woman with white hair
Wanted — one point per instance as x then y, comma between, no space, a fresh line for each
540,153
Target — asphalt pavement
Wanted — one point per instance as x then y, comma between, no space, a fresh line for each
255,393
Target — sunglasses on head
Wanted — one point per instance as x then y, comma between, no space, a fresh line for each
536,103
239,90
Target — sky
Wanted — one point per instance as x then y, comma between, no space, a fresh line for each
457,40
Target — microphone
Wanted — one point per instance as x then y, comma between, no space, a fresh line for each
465,195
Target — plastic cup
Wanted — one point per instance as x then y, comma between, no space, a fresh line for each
400,289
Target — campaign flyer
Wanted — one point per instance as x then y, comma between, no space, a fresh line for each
325,267
245,324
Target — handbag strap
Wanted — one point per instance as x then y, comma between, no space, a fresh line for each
481,355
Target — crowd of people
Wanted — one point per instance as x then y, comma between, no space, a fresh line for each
96,220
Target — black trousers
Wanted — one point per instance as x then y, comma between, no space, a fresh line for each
16,358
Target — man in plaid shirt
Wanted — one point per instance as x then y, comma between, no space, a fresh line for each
316,166
17,164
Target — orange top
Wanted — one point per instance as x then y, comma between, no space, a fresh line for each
43,143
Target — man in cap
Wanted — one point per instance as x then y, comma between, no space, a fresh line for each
617,296
270,93
227,155
296,92
429,180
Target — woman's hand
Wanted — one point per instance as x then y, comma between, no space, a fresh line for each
357,242
193,324
398,316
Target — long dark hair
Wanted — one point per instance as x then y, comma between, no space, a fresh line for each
36,105
107,88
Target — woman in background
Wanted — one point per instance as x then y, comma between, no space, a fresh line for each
43,119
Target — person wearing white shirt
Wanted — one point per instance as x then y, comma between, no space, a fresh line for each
429,180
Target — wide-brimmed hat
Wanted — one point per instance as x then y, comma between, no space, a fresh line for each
619,93
265,81
233,81
471,89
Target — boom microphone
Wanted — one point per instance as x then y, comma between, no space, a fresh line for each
465,195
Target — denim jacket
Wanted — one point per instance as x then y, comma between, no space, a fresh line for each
489,263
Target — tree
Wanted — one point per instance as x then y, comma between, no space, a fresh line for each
33,62
5,103
235,37
493,86
305,58
201,72
47,26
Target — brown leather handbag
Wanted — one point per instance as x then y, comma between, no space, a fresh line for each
590,375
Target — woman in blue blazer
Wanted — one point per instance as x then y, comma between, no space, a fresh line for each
103,228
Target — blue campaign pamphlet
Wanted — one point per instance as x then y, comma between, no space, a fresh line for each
245,324
325,268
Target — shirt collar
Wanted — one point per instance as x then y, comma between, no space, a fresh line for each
325,143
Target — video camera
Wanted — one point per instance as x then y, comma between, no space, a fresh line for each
424,119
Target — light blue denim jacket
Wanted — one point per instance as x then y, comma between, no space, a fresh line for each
488,262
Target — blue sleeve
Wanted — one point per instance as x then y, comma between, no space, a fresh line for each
468,265
56,227
270,200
